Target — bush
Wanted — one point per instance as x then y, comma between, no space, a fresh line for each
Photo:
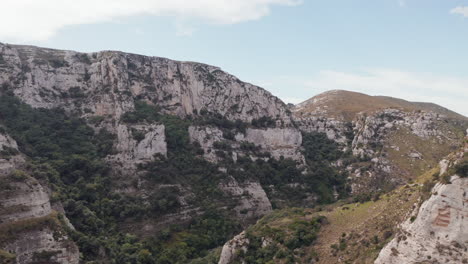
461,169
263,122
19,176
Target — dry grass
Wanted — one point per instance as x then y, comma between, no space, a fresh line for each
432,151
361,223
362,228
345,105
10,231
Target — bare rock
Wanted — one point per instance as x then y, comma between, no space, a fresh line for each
228,253
132,150
252,199
439,234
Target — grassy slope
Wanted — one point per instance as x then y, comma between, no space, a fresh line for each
432,150
356,232
345,105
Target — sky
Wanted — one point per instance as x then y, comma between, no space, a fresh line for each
411,49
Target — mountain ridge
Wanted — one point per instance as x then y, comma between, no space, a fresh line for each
134,145
346,104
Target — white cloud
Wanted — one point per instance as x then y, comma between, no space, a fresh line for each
402,3
26,20
461,10
450,92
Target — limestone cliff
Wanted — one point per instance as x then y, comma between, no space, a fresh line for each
437,231
107,83
225,121
28,225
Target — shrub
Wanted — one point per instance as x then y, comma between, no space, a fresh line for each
461,169
138,135
18,175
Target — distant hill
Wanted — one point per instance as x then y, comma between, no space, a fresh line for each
345,105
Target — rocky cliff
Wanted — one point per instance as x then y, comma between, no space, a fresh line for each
29,227
144,143
108,83
437,231
103,87
390,135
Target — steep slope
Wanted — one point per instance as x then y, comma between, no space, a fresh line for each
422,222
30,230
437,232
161,161
108,82
166,151
395,139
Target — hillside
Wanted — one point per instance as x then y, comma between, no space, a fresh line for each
421,222
345,105
110,157
396,140
143,159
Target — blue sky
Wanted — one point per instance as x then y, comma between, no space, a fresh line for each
412,49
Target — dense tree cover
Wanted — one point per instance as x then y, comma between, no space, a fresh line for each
318,148
319,152
68,155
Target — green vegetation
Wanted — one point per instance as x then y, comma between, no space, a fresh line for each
264,122
67,154
9,232
461,168
7,257
319,152
286,233
143,113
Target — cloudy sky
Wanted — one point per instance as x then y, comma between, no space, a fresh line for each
411,49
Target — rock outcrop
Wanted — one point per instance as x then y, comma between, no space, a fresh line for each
24,202
439,232
239,242
252,199
138,144
280,142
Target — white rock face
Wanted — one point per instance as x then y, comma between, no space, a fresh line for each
253,201
439,234
334,129
206,136
21,200
279,142
105,83
131,152
231,247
